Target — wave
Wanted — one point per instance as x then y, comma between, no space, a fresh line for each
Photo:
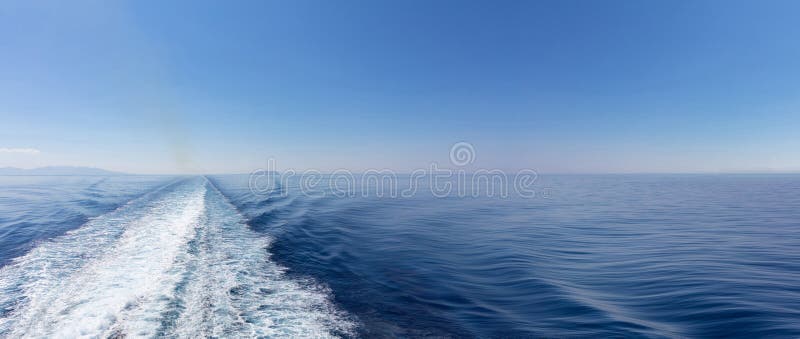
179,262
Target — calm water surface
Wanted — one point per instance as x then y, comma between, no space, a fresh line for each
606,255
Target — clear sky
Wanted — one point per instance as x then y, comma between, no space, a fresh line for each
556,86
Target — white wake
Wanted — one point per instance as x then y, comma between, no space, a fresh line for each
178,262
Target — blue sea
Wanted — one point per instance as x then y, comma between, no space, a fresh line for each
593,256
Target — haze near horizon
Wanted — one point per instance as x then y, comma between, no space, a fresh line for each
553,86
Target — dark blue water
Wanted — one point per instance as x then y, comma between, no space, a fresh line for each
606,255
34,208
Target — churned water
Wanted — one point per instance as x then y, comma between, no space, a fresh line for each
178,261
598,255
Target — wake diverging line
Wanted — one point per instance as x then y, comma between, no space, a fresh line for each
179,262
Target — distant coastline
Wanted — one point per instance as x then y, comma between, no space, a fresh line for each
56,170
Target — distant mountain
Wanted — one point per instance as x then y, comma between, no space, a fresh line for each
56,170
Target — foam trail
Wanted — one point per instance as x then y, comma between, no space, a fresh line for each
179,262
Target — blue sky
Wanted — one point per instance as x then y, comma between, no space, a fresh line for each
556,86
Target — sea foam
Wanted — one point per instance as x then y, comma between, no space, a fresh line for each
177,262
